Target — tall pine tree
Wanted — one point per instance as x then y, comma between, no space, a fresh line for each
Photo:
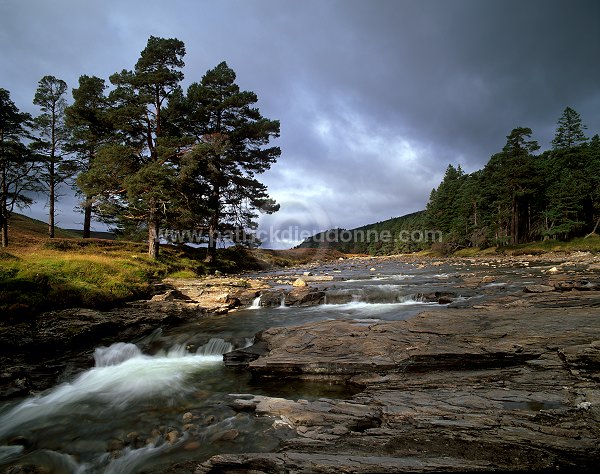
232,139
90,127
569,131
569,202
141,161
52,136
17,165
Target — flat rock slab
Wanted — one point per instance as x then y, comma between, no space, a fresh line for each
217,294
464,338
508,387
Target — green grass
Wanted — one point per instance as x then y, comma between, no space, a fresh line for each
580,244
52,274
50,279
41,274
468,252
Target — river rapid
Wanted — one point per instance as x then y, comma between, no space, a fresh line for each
146,405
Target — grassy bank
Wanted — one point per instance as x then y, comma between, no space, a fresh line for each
589,244
41,274
63,272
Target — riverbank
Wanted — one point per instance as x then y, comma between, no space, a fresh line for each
62,334
40,274
509,385
437,361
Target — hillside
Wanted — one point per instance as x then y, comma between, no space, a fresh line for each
93,234
399,234
23,230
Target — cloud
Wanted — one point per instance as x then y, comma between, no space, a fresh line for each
375,98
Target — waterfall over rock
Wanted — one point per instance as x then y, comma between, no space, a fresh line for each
215,346
115,354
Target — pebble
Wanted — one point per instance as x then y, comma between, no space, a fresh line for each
172,436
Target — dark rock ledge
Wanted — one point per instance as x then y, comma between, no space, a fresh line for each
502,388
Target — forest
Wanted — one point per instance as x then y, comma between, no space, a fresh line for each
520,196
142,153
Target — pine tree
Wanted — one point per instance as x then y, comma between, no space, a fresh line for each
231,148
570,130
88,122
594,173
141,160
51,140
17,165
518,153
443,210
569,189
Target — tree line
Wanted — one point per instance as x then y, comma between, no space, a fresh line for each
522,195
143,153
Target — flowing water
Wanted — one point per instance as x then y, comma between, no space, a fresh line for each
146,404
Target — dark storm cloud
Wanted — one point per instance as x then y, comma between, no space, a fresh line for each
375,97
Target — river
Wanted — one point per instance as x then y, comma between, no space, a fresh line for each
147,404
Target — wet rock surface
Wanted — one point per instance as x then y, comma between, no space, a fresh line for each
492,378
512,385
217,295
35,352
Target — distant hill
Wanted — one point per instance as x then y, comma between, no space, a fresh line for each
399,234
93,234
26,229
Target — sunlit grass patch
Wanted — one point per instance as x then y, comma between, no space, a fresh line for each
43,279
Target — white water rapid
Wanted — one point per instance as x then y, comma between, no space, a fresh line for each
255,303
122,376
143,407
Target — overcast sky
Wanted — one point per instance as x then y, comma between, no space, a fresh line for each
375,97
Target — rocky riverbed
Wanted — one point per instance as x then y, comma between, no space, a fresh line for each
502,388
513,384
500,372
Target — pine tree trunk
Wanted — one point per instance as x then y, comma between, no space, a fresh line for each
514,223
4,226
594,230
51,205
87,217
153,240
529,221
4,210
213,234
211,251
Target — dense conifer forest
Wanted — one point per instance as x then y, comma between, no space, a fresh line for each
520,196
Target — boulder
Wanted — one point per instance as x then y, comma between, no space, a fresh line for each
303,296
170,295
271,298
217,294
300,282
